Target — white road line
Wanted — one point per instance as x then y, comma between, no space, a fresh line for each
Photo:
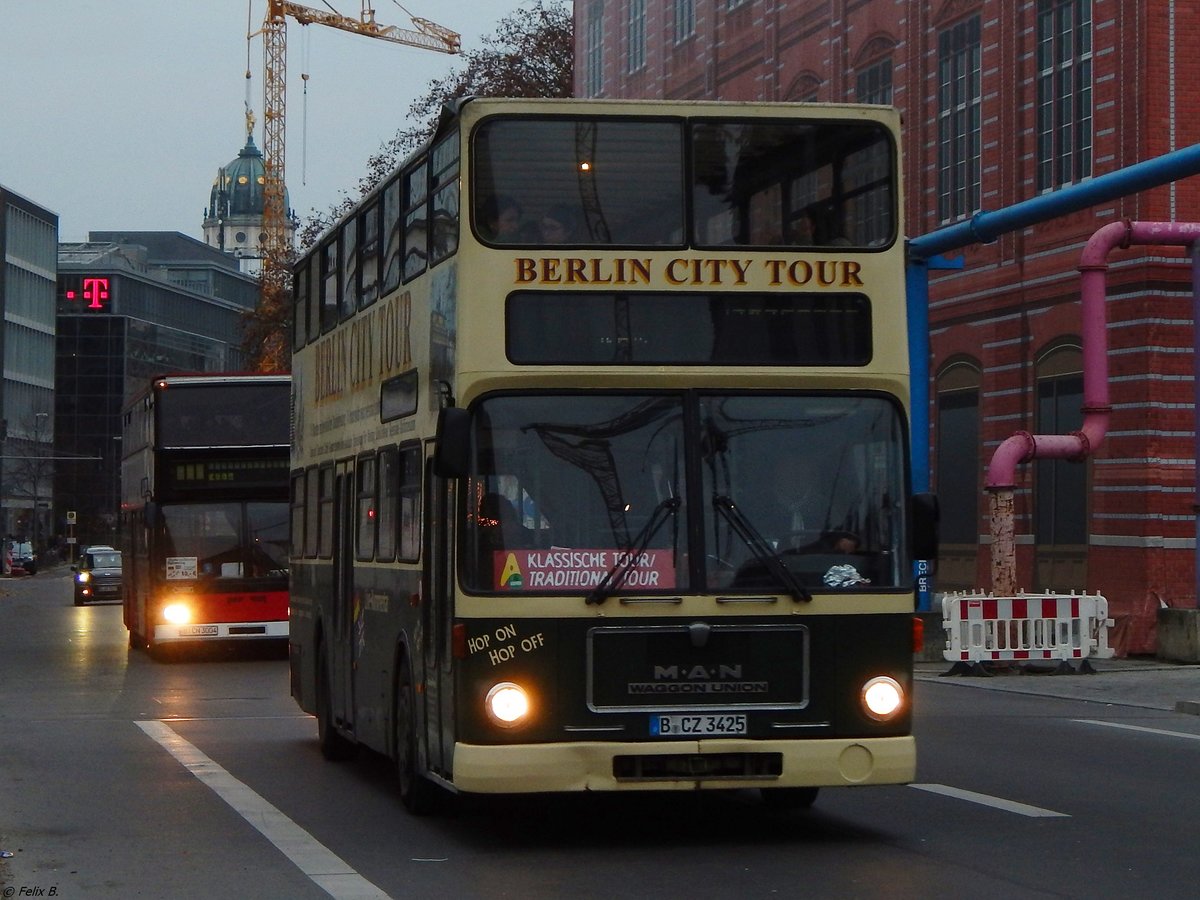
1021,809
1178,734
313,858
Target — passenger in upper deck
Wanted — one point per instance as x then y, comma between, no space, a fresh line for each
558,225
815,227
501,219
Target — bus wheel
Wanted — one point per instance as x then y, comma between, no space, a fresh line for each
789,798
334,746
418,794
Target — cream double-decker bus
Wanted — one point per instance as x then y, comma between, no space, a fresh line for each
600,472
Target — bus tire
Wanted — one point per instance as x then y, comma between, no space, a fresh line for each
789,798
335,747
419,795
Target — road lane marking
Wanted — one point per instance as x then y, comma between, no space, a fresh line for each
1162,731
327,870
1021,809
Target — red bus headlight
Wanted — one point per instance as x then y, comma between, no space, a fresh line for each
177,612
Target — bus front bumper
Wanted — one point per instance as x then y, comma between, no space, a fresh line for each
220,631
682,765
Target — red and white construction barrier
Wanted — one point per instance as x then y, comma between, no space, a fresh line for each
981,628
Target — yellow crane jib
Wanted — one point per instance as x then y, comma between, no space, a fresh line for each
276,247
426,34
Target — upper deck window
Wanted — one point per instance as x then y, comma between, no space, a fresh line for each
445,198
784,184
416,220
579,182
604,181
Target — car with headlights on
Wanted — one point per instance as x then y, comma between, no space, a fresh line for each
97,575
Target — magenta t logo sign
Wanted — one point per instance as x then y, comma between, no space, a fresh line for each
95,292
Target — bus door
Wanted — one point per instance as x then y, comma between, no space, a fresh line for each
341,639
436,614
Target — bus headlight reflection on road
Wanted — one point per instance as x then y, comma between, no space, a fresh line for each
507,704
882,697
177,613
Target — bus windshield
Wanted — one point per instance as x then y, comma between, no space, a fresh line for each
568,489
209,415
225,540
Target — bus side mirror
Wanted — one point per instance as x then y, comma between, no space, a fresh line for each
451,455
925,526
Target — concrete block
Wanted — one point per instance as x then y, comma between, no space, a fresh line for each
1179,635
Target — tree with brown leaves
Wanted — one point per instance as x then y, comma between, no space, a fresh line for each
531,54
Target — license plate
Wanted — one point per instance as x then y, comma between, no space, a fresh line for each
197,630
703,724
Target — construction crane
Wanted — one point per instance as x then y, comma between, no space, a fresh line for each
424,34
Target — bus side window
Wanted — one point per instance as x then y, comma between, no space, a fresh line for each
298,497
445,198
312,509
325,512
389,501
410,503
392,220
349,268
329,285
416,220
364,539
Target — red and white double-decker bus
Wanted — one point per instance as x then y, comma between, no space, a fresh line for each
205,509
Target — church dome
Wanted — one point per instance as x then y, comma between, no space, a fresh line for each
244,179
233,217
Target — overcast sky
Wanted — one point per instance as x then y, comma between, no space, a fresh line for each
116,114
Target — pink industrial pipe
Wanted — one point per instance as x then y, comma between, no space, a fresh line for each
1022,446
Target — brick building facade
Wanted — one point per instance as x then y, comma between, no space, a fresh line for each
1002,101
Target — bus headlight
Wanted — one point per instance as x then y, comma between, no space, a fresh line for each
882,698
507,704
177,613
83,577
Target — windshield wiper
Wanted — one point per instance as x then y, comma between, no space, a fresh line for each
762,551
615,577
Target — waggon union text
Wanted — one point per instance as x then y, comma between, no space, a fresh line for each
698,687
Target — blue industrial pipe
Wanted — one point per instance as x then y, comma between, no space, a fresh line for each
985,227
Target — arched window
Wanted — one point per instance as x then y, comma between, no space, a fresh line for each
957,468
804,88
1060,486
958,452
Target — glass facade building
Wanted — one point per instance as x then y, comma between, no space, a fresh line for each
131,306
28,242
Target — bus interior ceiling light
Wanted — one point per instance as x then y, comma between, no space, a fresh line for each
507,704
882,697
